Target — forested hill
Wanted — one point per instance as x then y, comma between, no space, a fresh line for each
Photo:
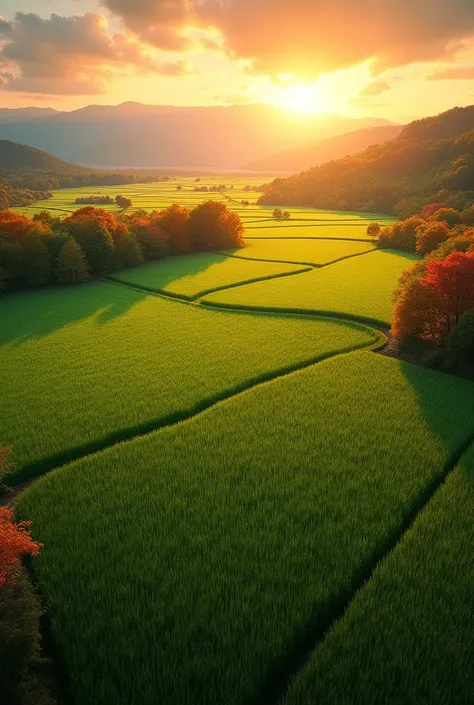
325,150
15,156
398,177
28,175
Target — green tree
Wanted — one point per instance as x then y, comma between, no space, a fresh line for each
11,261
97,244
129,252
461,338
37,262
71,267
3,280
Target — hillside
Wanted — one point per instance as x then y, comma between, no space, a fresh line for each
396,177
326,150
136,135
15,156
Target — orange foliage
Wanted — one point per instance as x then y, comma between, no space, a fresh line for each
13,224
15,541
431,300
105,218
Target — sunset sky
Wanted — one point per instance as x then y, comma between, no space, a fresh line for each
398,59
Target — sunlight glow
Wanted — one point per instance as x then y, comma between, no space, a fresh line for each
303,99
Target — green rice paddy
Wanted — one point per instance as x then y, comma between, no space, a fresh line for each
189,565
359,288
82,367
312,252
198,274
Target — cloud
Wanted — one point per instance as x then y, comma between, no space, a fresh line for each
71,55
374,88
308,37
452,73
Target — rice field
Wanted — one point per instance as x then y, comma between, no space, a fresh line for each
195,275
311,252
83,367
188,566
305,222
412,623
359,288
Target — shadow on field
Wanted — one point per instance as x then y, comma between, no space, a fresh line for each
438,394
33,314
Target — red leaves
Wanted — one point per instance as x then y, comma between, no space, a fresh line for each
431,303
15,541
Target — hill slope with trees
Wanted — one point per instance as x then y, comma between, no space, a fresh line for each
326,150
431,160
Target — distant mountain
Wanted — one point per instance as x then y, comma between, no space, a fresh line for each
326,150
15,157
431,160
136,135
8,115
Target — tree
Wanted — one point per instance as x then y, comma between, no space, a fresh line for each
71,267
213,226
461,338
433,296
15,541
37,262
123,202
97,244
11,261
277,213
129,252
286,215
430,237
3,280
460,243
401,235
467,216
174,220
373,231
448,215
429,210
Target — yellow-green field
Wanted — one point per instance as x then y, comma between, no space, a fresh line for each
251,480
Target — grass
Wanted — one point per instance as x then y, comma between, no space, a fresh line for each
195,275
409,630
358,288
313,252
186,567
83,367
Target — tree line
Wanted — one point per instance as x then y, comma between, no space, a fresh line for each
99,200
434,301
93,242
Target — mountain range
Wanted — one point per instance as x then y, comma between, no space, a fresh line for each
137,135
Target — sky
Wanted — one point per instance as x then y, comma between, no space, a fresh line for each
397,59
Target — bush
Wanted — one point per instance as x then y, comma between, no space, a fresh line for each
461,338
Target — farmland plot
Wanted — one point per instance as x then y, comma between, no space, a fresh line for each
243,531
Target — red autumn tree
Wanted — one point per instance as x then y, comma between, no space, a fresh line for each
430,209
431,300
15,541
116,229
174,220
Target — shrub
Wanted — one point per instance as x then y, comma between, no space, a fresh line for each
461,338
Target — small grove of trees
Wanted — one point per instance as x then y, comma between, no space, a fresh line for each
426,231
278,214
121,201
92,241
433,296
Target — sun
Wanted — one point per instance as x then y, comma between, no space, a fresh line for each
303,99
